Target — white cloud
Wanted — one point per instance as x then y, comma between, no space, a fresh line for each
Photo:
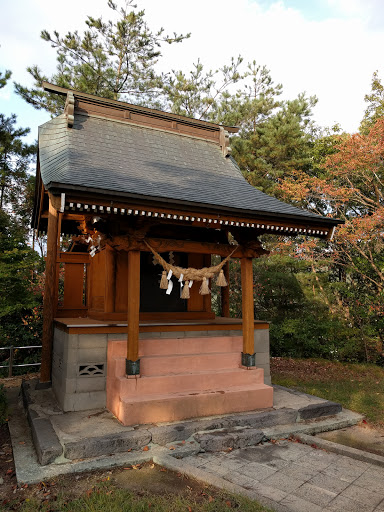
333,58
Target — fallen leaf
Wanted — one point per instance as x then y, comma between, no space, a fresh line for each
229,504
145,449
210,499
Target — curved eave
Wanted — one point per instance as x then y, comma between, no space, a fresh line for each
153,201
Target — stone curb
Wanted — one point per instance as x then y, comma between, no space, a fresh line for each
47,444
318,410
106,445
345,419
215,481
341,449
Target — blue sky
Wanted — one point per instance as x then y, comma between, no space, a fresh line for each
327,48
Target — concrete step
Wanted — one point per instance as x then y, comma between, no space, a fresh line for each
158,407
182,382
188,363
175,346
183,378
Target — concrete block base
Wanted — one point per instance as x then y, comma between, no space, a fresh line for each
79,367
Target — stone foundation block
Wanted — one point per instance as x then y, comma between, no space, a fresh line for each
82,401
222,440
106,445
262,358
46,442
318,410
261,338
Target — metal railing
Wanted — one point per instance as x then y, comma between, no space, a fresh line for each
11,364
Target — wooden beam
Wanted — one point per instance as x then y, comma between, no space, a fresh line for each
133,367
166,245
225,293
49,304
247,306
73,257
110,280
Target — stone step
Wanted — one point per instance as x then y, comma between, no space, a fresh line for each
175,346
188,363
161,407
184,382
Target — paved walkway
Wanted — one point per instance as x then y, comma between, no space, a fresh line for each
299,477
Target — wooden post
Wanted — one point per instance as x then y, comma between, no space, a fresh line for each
248,355
207,299
225,293
110,280
133,361
49,304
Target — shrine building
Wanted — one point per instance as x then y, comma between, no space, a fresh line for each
145,198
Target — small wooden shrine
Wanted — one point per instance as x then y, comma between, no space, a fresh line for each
148,197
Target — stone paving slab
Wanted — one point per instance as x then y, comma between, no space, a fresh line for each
300,477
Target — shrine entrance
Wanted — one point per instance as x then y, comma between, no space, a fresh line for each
133,187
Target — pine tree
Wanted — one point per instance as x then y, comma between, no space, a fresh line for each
113,59
16,184
272,146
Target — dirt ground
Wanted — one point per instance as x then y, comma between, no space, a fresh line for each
140,479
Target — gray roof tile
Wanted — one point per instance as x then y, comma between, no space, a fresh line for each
113,156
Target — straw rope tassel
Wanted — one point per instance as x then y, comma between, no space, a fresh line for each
164,281
190,274
221,281
204,290
185,292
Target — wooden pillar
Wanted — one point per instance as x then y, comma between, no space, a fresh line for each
133,361
225,292
207,299
50,295
110,280
248,355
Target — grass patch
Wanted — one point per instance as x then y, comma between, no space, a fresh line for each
137,488
108,498
359,387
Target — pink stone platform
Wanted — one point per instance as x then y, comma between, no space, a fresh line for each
183,378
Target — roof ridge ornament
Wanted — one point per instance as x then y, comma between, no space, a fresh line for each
224,142
69,109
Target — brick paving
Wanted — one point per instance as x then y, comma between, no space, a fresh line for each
300,477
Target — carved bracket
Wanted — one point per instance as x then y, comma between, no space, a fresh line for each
224,142
69,109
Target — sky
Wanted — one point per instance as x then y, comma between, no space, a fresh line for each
327,48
